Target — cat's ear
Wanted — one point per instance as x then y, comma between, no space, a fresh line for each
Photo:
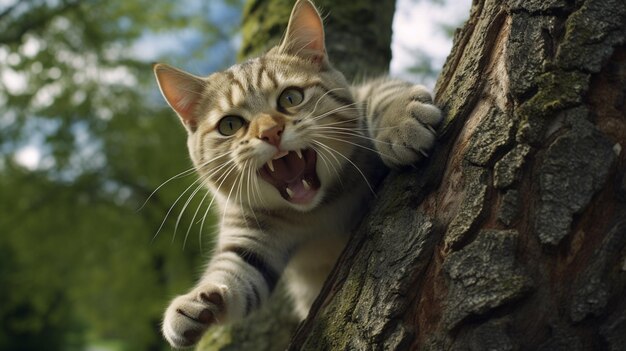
305,33
182,91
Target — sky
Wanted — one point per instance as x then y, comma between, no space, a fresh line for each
417,27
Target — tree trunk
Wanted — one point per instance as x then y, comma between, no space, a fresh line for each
513,235
358,38
358,33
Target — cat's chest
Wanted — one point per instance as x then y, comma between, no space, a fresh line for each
337,218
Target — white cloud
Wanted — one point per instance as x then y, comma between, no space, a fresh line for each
416,26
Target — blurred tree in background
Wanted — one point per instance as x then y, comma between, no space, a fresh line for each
84,139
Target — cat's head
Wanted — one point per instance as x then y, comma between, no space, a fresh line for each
274,131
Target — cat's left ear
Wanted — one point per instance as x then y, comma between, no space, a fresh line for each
305,34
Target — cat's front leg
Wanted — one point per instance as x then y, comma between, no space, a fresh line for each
401,118
240,277
189,316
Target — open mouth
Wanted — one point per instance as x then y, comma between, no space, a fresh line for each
293,174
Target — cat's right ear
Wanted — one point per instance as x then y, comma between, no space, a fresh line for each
182,91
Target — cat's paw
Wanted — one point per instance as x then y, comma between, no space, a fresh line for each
408,130
189,316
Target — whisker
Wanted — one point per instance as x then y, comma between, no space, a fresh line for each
354,134
367,129
228,199
344,121
336,110
321,151
358,145
224,176
195,214
249,195
180,215
258,192
328,162
179,175
352,163
239,193
321,97
194,217
172,207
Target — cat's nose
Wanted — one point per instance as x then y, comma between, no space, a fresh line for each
268,128
272,134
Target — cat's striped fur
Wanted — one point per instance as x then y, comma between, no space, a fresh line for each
295,175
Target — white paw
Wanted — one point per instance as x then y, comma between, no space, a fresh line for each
189,316
408,131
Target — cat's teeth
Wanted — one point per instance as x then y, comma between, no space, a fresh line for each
280,155
306,184
423,152
270,165
299,153
289,192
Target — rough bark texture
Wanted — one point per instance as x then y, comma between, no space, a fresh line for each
352,29
268,329
513,235
358,33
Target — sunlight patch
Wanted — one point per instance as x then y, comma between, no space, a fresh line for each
28,157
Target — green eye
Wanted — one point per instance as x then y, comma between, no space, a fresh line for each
229,125
290,97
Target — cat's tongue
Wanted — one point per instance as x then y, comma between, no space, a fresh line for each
293,175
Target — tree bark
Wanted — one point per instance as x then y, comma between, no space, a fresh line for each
513,235
358,33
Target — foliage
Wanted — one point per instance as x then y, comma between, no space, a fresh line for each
78,262
429,51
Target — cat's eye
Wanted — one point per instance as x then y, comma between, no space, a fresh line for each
290,97
229,125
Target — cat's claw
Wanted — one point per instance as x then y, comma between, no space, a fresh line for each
432,130
409,130
189,316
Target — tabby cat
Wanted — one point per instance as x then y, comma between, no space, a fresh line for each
292,153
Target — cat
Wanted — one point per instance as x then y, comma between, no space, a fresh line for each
293,154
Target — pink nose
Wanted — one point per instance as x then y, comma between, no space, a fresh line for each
272,135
